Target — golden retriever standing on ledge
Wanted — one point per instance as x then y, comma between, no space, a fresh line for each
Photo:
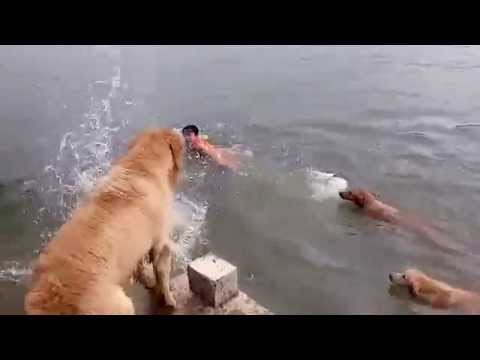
437,293
83,268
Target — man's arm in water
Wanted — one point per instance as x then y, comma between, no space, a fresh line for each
221,156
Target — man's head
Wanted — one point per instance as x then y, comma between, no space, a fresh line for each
190,133
360,197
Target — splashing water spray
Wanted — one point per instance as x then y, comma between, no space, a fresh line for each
85,155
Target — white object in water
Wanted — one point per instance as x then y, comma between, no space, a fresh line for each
325,185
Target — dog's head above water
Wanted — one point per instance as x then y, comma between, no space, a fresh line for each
422,286
160,146
360,197
402,279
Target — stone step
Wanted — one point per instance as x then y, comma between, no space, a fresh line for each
209,287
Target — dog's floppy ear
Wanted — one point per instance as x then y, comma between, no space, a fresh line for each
175,143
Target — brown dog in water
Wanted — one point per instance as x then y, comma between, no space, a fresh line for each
375,208
83,268
436,293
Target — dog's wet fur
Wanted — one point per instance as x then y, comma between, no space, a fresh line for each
126,219
436,293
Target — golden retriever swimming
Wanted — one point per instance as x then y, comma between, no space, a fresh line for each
377,209
128,215
436,293
372,206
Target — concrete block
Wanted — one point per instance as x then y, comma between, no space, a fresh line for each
213,279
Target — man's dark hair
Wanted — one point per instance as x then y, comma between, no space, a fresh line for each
189,129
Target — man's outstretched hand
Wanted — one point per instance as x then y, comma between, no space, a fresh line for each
223,156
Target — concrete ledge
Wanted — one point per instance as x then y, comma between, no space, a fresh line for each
232,301
213,279
190,304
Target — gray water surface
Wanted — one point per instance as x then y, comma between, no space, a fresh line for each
400,120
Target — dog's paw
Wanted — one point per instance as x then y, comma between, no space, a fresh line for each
146,277
165,298
170,300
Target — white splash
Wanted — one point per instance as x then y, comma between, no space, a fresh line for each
241,150
325,185
84,158
188,229
13,271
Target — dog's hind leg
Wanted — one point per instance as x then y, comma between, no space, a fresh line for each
110,300
162,262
